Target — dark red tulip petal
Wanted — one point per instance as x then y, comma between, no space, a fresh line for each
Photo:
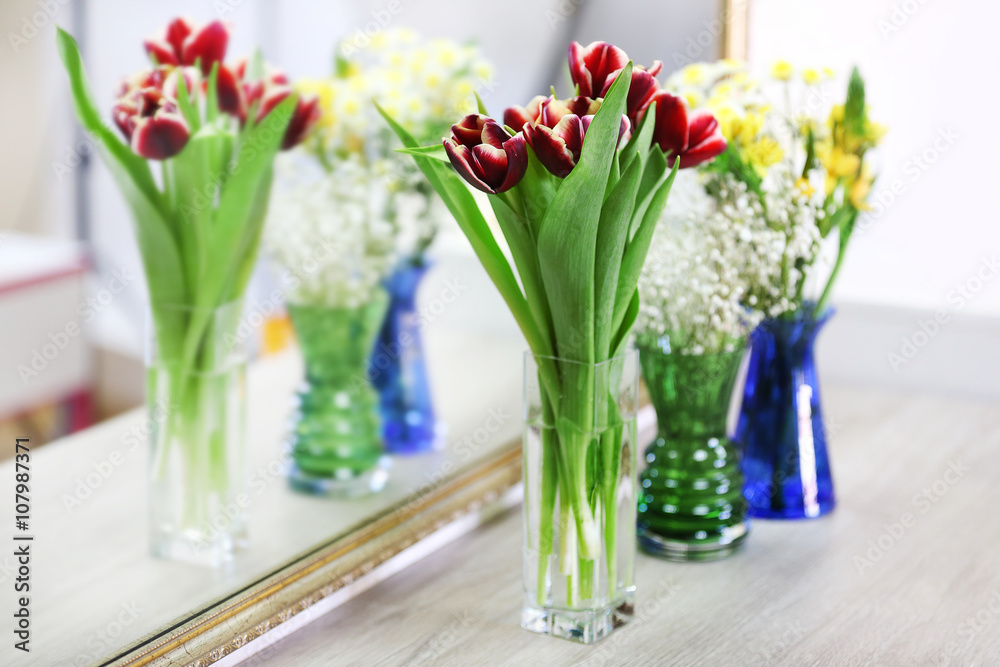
517,161
705,140
591,67
655,69
124,114
640,92
492,163
703,152
176,32
494,135
486,155
515,117
469,130
207,45
671,131
624,132
160,52
461,159
306,115
228,91
271,98
161,136
551,150
570,130
701,123
582,106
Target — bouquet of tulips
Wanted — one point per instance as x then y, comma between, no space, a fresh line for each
214,129
577,186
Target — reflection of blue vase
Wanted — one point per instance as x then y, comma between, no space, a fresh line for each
397,367
781,421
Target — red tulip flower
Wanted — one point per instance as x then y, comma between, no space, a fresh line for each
485,155
182,43
152,123
515,117
595,67
556,135
693,136
306,114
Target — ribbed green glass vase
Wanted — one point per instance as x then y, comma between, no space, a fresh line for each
691,504
336,440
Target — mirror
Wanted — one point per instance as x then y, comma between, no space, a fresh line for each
97,596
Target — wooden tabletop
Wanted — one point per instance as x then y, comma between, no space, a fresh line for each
906,571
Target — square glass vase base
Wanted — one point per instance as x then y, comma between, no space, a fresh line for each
215,549
582,626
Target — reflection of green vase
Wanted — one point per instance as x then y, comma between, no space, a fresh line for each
336,439
691,504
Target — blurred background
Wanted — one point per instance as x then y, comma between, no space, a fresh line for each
918,298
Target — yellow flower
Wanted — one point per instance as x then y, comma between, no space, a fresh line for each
805,187
693,97
728,119
483,71
859,194
379,41
323,91
874,132
782,70
838,163
694,74
750,127
836,114
724,89
810,76
352,107
763,153
829,73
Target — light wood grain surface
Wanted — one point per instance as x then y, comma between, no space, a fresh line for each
94,587
906,571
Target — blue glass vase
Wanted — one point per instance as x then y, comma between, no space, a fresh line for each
397,368
785,464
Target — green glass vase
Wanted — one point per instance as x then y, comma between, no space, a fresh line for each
336,436
691,504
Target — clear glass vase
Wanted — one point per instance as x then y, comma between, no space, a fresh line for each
781,421
691,504
196,398
579,495
336,440
398,370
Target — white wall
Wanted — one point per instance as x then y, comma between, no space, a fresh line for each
931,70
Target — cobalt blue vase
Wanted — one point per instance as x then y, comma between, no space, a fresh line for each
397,368
785,462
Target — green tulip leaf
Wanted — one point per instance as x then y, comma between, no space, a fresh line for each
436,151
612,234
567,240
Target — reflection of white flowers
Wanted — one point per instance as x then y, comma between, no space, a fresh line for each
425,85
330,232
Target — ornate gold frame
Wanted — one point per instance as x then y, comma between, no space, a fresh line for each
735,32
229,624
